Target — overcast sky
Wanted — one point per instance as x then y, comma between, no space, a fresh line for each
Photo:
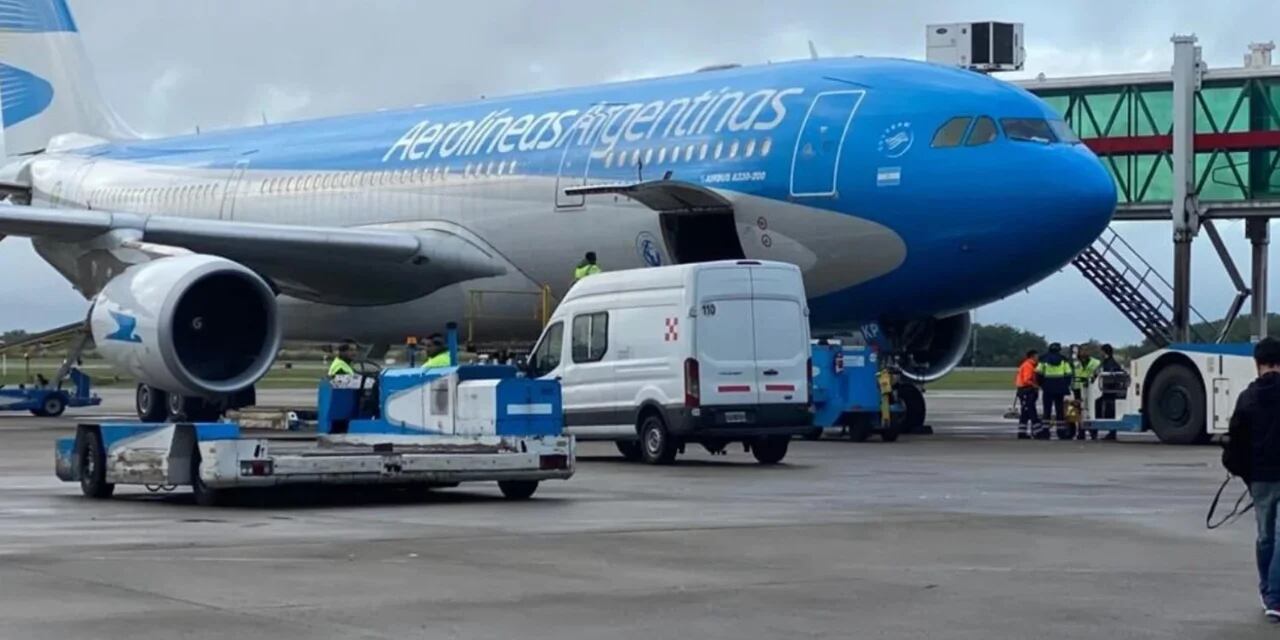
170,66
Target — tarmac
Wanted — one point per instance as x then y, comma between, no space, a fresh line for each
967,533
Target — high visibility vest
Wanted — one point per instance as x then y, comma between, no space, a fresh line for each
339,367
441,359
1026,375
1083,373
1060,370
584,271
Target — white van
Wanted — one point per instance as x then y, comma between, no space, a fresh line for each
708,353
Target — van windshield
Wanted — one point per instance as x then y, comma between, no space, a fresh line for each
547,356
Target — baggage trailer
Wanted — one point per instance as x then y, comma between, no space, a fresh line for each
424,427
1184,393
50,402
852,390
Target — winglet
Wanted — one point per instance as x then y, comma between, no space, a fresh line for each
813,51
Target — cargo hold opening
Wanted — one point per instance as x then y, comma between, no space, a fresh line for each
701,237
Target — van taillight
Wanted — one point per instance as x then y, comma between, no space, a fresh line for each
692,388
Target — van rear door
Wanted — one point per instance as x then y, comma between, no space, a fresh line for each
781,335
724,325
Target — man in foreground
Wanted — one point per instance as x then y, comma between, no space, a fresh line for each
1253,453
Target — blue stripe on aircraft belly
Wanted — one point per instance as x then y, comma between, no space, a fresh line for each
23,95
35,16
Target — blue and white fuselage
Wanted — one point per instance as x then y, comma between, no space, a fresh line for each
829,164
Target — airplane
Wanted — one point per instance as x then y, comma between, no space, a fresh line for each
908,193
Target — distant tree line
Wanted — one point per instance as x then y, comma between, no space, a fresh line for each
1001,345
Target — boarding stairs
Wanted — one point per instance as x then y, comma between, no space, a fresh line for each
1132,285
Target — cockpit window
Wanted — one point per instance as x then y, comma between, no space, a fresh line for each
1028,129
1064,132
951,132
984,131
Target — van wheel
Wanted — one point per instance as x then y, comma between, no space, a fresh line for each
656,446
630,450
517,489
93,466
770,449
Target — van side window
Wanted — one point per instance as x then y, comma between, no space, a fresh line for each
547,356
590,337
951,132
984,131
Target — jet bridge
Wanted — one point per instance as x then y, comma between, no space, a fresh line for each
1191,146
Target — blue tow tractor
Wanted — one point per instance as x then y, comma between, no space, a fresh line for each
411,427
48,401
851,390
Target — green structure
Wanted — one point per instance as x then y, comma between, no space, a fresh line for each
1189,146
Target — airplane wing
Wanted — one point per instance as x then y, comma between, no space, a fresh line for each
334,265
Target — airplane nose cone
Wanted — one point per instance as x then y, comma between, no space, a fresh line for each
1089,196
1076,196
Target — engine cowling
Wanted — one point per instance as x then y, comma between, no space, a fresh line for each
931,348
195,325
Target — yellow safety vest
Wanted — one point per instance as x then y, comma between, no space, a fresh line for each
1060,370
1083,373
584,271
441,359
340,367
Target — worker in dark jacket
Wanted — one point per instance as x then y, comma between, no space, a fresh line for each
1055,383
1104,408
1253,453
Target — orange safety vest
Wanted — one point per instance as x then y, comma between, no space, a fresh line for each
1026,374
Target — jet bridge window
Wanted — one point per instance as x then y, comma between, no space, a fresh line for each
951,133
1028,130
984,131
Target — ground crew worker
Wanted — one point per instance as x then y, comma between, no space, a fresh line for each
437,354
587,267
341,363
1105,406
1083,372
1028,392
1054,372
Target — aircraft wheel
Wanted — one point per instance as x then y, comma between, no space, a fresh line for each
150,403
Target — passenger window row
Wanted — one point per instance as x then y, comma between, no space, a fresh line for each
720,150
160,196
371,179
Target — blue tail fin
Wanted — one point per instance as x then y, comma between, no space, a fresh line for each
46,85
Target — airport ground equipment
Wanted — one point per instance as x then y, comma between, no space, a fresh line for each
49,401
854,391
411,427
1184,393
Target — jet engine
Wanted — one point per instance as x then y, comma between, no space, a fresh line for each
195,325
929,349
